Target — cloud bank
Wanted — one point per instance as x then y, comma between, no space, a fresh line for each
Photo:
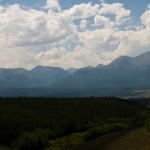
86,34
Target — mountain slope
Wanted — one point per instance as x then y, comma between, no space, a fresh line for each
37,77
122,72
47,75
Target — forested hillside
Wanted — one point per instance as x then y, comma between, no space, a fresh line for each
32,123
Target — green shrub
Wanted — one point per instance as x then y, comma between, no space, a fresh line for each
147,125
36,140
103,130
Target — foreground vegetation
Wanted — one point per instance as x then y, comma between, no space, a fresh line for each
135,139
49,123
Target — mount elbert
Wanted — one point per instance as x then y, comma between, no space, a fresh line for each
123,72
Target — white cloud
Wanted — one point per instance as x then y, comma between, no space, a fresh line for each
79,57
117,9
21,27
82,11
103,21
53,53
16,57
84,35
145,18
100,20
83,24
53,5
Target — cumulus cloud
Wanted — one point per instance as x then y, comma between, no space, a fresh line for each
22,27
117,9
53,5
84,35
61,57
100,20
103,21
53,53
82,11
83,24
145,18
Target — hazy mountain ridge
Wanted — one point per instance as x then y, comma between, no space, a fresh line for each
37,77
123,72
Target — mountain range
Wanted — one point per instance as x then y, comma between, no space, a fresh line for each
37,77
124,72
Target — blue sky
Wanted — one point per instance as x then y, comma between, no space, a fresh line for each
137,6
72,33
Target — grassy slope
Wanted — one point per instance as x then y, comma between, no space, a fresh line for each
66,141
136,139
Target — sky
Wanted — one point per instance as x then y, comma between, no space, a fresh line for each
71,33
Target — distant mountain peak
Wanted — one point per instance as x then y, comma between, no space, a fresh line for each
123,62
125,72
143,59
44,68
86,68
100,66
122,58
127,62
144,54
